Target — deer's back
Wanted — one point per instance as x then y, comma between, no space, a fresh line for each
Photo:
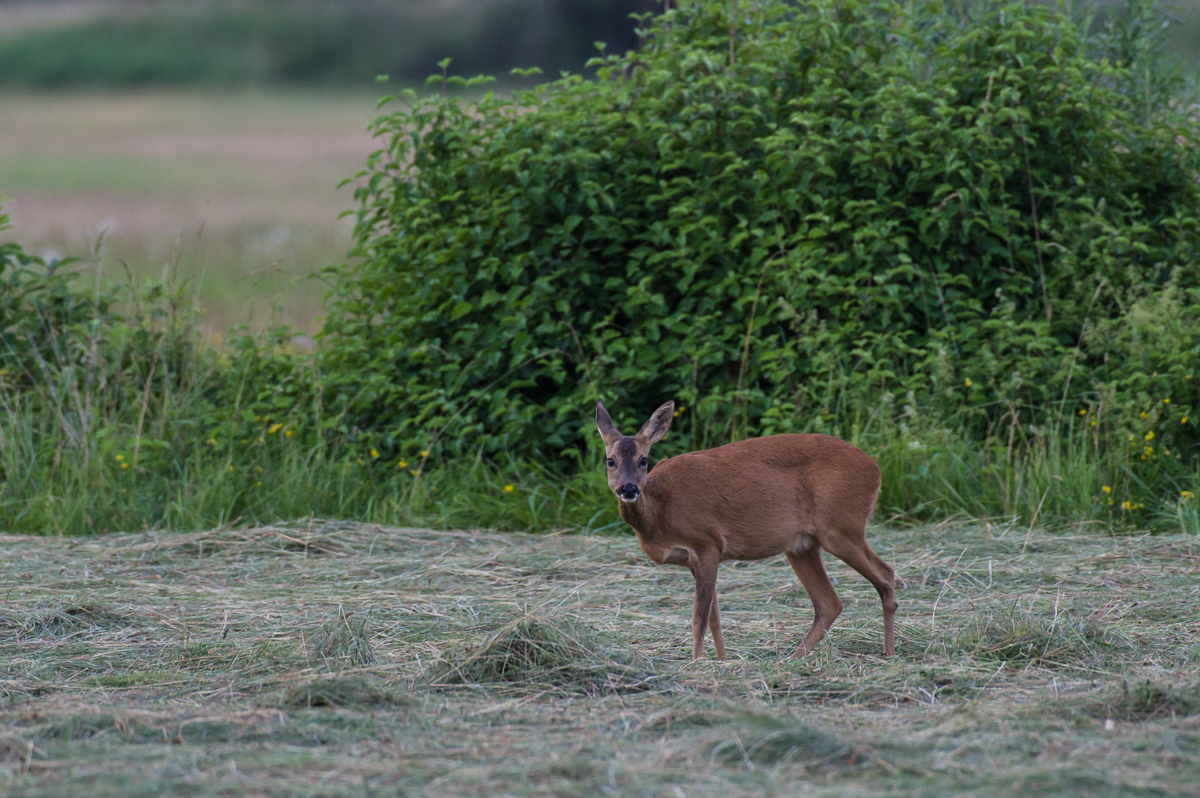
767,495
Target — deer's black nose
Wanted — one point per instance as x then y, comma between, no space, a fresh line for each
629,492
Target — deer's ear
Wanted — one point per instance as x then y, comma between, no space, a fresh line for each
604,423
656,428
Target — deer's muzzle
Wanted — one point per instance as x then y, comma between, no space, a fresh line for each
628,492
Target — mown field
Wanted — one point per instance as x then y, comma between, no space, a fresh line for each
330,658
232,195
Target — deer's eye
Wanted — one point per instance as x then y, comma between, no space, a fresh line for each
611,463
642,463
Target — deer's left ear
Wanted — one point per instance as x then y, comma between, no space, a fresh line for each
656,428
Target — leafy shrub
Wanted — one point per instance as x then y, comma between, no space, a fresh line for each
782,216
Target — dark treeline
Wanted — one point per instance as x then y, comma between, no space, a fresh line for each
222,43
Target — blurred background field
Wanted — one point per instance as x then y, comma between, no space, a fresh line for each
207,139
235,192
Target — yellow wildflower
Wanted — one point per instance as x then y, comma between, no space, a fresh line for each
1126,505
508,488
1145,414
425,453
374,453
1167,401
968,382
274,428
120,458
124,466
287,433
402,464
1106,489
1187,495
1183,420
1150,435
1083,412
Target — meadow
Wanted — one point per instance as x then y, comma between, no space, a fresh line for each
387,563
342,659
232,195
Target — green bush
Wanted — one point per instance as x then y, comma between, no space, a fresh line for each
780,216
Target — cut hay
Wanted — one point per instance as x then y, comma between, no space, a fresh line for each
403,659
768,740
540,653
1148,699
62,621
1021,639
344,640
335,691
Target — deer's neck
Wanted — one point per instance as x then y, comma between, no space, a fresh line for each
640,514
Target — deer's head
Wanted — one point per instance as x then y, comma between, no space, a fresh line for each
626,457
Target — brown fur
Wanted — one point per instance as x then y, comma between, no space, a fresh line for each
784,494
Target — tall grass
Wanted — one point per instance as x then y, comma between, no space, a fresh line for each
55,487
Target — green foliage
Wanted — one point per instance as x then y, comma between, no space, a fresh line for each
114,415
783,218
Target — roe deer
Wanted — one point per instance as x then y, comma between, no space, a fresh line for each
749,500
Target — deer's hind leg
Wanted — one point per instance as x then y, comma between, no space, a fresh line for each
855,552
826,605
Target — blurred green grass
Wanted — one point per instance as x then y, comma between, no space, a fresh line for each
121,173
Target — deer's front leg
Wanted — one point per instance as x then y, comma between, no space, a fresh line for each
705,572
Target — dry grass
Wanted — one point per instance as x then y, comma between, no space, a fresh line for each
338,659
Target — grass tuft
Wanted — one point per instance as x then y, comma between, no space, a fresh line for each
62,621
345,640
1021,639
542,653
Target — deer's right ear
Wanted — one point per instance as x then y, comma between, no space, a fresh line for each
604,423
